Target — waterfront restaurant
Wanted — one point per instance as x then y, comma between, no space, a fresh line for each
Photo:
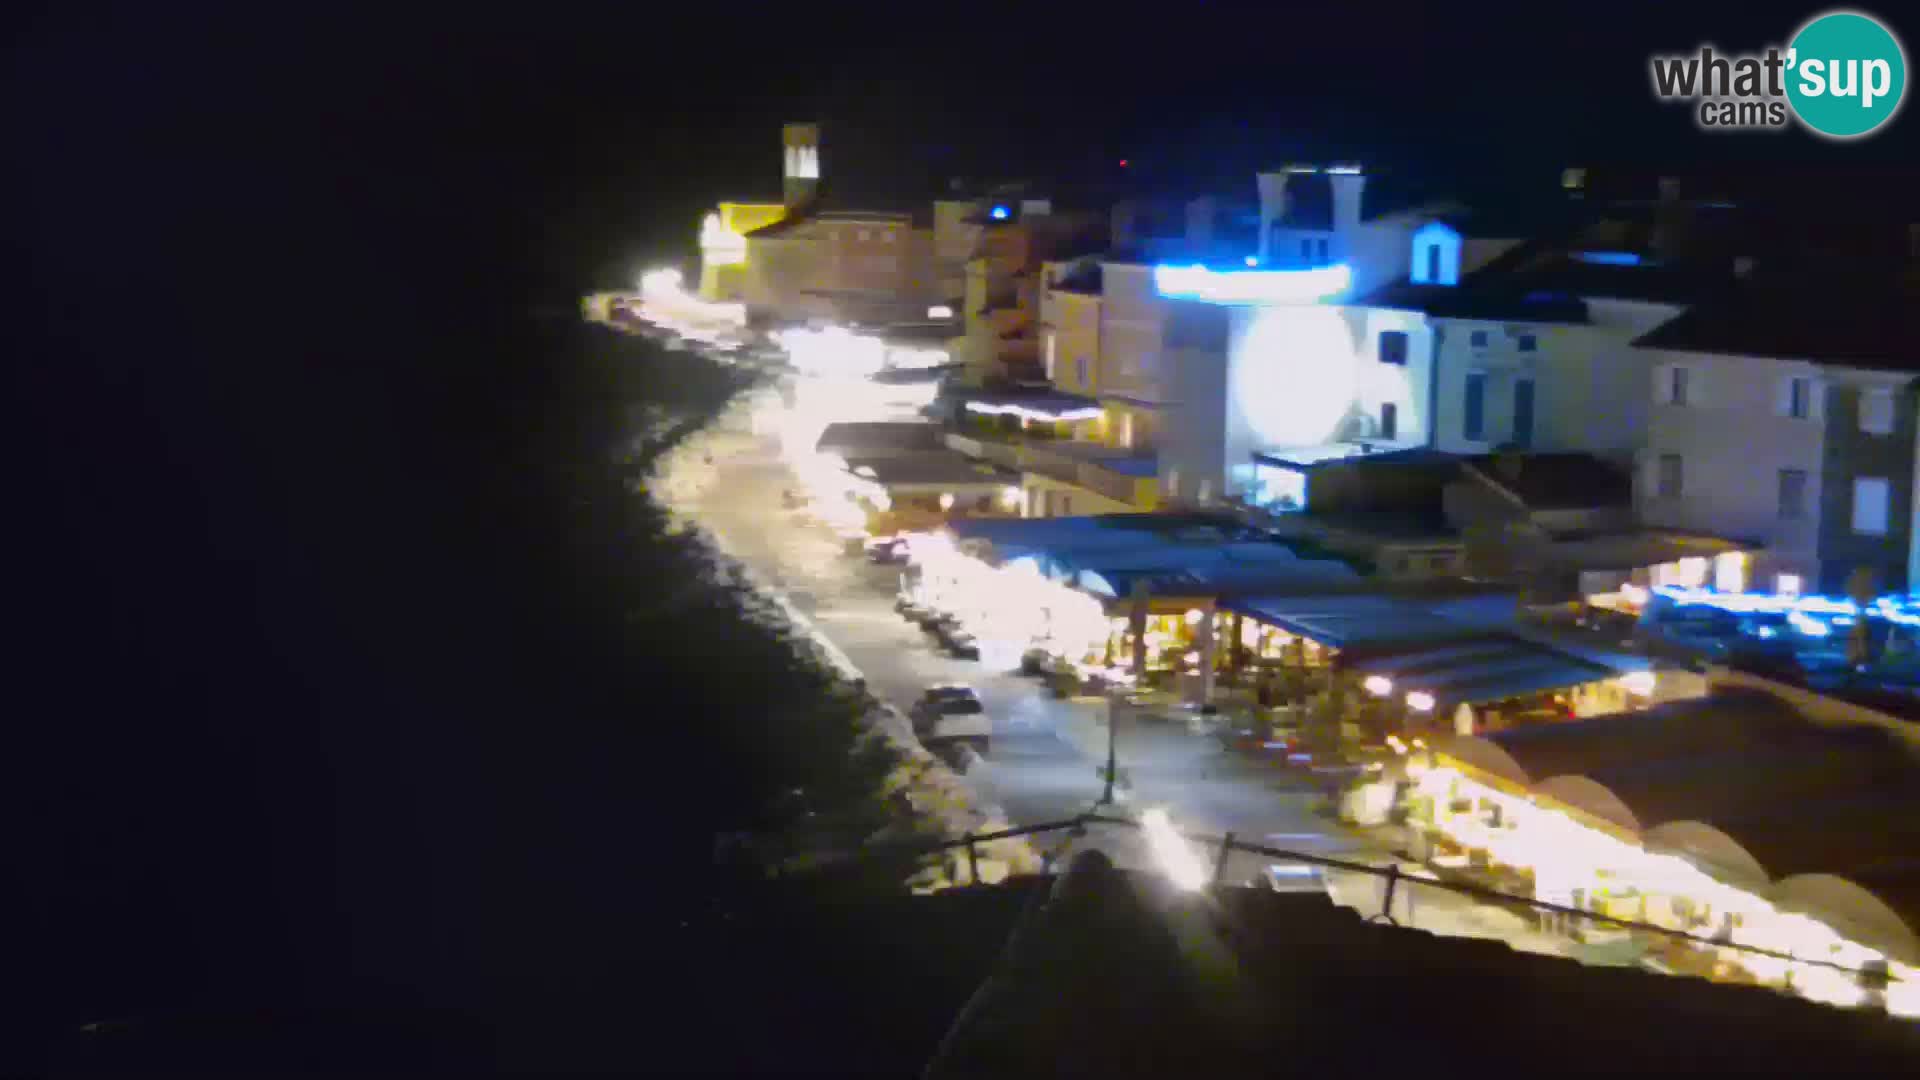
1732,820
1440,659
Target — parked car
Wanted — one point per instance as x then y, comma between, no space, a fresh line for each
1294,877
952,715
955,639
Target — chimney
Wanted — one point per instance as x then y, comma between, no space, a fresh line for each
1348,183
1273,204
1200,217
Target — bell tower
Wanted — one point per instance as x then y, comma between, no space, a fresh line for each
800,144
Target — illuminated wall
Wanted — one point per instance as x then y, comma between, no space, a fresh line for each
724,246
1072,322
1133,316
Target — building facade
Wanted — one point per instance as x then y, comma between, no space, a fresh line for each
1811,460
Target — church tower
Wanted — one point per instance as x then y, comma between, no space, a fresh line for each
801,177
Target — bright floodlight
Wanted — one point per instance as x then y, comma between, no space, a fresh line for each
1420,701
660,281
1640,683
1172,852
1295,374
1379,685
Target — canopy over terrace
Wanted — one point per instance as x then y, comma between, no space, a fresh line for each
1473,671
1747,789
1345,620
1062,545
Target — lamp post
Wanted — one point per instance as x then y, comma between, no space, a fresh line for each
1106,793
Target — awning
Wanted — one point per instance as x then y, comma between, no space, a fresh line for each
1489,668
1343,621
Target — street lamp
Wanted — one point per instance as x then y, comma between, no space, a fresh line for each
1106,793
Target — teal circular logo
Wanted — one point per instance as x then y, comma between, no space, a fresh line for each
1846,74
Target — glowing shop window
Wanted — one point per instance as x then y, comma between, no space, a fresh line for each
1730,572
1787,584
1690,573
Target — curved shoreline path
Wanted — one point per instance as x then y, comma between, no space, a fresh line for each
801,568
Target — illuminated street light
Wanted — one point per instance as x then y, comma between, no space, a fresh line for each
1379,685
1420,701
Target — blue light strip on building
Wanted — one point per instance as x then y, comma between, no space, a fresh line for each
1810,615
1310,286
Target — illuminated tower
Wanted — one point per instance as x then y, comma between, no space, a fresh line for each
801,146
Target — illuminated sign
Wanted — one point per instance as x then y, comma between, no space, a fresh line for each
1253,286
1000,213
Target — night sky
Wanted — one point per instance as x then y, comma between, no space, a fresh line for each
292,704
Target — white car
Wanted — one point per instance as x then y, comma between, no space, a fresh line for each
952,715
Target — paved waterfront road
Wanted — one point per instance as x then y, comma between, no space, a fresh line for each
1046,752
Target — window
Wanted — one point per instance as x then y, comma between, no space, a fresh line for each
1433,263
1126,430
1323,250
1793,494
1669,486
1389,421
1527,343
1080,372
1787,584
1795,398
1676,384
1050,351
1870,505
1173,483
1876,411
886,237
1478,339
860,235
1306,251
1523,413
1393,348
1473,418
